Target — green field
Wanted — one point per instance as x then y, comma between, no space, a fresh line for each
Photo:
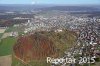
1,35
6,46
10,29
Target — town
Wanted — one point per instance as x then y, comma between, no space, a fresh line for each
85,29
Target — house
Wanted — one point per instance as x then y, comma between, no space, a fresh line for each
58,30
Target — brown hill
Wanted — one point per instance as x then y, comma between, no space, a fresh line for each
35,46
38,46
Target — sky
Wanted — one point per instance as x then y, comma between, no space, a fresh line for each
96,2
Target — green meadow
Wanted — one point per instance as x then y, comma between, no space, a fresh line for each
6,45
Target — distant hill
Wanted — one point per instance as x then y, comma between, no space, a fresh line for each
15,7
21,7
72,8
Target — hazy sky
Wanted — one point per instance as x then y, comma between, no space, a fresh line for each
49,1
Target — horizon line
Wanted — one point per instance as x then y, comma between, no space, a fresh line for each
48,4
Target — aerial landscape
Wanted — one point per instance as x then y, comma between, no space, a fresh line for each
50,33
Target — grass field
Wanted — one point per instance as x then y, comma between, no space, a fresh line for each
6,46
1,35
10,29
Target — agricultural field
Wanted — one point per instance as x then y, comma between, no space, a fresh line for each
6,46
1,35
2,30
10,29
6,60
